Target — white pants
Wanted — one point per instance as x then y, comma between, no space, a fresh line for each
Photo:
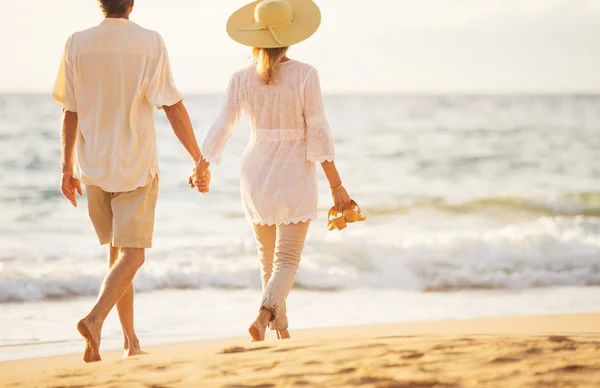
279,250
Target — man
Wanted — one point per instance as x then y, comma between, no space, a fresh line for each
111,76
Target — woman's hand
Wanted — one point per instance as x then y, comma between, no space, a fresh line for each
341,199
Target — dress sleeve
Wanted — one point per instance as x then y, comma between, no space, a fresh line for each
219,134
319,139
64,89
161,90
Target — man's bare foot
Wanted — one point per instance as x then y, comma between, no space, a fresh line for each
283,334
132,347
91,333
133,352
257,332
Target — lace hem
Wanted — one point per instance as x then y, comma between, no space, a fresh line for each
322,159
289,221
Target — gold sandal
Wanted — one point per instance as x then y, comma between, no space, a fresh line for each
354,214
336,220
339,221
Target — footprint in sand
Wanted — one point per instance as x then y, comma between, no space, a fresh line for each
292,349
413,356
263,368
388,382
241,349
505,360
559,338
313,362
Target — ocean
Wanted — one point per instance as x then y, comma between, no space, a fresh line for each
477,206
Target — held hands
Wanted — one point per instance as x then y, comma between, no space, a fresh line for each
70,186
200,182
200,178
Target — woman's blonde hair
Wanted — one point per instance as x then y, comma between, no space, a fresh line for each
266,59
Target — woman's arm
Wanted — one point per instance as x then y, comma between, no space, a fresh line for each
341,198
333,176
219,134
320,147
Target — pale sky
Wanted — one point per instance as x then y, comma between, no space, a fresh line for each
372,46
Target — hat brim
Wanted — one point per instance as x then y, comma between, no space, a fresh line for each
241,26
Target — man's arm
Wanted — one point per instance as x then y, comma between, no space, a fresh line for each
182,126
70,123
69,184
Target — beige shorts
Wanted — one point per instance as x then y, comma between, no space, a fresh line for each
124,219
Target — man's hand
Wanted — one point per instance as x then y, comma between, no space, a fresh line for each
69,130
200,180
70,186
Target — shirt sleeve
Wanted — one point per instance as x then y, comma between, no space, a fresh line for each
319,139
161,90
64,89
219,134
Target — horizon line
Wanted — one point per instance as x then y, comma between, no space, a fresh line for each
186,94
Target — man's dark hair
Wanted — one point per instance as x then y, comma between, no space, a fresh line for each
114,7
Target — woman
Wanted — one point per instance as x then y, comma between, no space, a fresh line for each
289,135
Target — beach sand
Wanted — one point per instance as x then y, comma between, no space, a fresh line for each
535,351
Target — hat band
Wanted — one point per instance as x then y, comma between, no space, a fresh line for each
270,29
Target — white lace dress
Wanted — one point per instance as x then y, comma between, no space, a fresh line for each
289,135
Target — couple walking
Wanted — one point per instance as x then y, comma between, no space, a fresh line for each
110,79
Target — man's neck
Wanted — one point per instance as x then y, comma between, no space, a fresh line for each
117,17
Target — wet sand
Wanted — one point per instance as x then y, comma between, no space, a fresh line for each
535,351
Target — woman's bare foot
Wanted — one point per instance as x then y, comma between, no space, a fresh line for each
259,327
257,332
283,334
90,331
132,348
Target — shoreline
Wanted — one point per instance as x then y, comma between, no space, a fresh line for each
518,346
185,315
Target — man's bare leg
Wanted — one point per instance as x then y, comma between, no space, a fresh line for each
131,344
117,281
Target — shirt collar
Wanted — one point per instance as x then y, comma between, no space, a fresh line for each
117,22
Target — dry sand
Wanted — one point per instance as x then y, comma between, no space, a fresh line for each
537,351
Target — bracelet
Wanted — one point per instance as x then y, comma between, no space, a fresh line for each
337,188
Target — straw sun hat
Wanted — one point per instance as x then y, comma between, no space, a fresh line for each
274,23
